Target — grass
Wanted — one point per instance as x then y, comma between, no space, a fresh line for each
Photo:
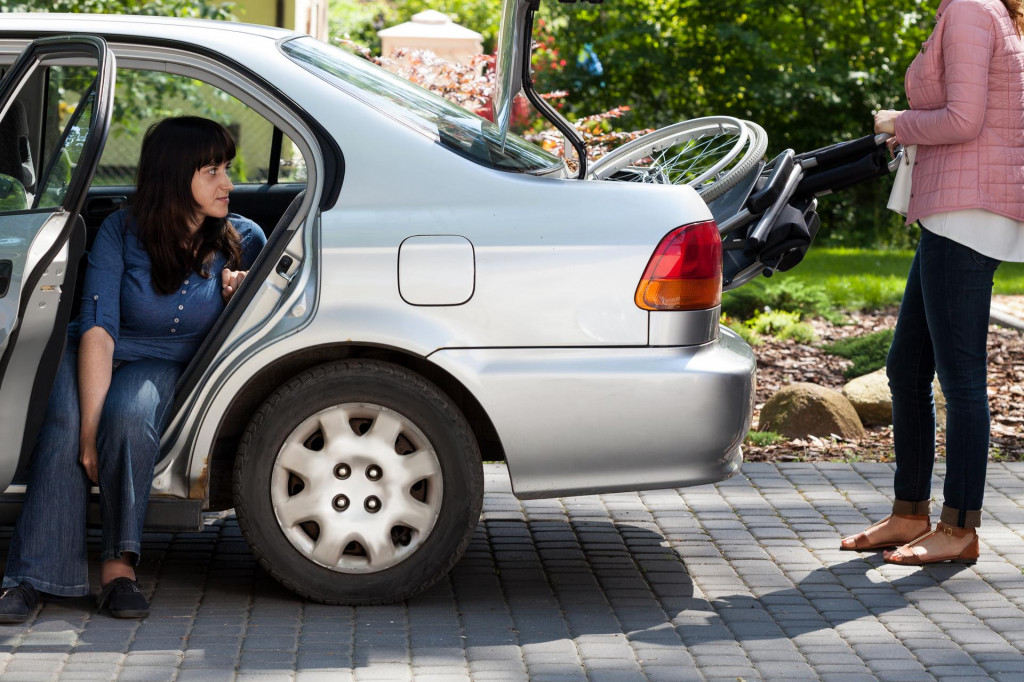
861,279
763,438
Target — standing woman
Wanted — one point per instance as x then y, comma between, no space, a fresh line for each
966,93
159,275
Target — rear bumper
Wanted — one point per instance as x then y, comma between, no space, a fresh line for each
579,421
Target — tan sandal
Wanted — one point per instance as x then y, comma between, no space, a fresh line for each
906,556
861,542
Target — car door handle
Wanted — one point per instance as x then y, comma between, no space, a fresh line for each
6,267
101,207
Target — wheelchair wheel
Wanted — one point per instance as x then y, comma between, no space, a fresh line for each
710,154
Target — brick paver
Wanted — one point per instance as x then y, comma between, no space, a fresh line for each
743,579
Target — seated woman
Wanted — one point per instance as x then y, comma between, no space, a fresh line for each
159,275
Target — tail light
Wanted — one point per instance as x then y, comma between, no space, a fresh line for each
685,272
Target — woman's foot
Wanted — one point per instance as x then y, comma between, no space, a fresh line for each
121,567
891,531
16,603
945,543
121,595
123,599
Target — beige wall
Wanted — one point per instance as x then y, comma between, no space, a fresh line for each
306,16
257,11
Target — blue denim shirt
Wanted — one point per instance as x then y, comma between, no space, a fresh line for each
119,296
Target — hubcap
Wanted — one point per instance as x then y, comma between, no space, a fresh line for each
356,488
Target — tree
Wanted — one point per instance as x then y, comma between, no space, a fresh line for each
197,9
810,71
140,95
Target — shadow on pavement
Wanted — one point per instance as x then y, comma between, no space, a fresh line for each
587,588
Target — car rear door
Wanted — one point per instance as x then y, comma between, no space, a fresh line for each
56,102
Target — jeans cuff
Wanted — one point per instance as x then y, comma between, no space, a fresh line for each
47,587
133,547
906,508
960,518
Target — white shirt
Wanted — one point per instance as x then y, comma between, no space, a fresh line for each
988,233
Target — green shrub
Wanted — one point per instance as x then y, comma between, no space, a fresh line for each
745,302
868,352
746,333
788,294
771,322
799,297
782,324
801,332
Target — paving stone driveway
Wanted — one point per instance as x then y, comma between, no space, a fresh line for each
739,580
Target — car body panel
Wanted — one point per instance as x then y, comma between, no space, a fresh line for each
533,312
26,355
668,417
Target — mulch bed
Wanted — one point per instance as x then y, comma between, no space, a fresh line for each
783,362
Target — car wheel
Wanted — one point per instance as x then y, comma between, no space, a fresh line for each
358,482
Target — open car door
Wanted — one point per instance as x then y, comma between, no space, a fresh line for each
56,102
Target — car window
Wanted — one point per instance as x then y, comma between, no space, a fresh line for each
67,151
36,167
145,97
456,128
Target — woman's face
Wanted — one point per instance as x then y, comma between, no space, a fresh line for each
210,188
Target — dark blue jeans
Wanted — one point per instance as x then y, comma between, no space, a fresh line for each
942,328
48,549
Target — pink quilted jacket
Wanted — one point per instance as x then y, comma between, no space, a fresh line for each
966,93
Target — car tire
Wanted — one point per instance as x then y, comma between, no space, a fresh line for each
358,482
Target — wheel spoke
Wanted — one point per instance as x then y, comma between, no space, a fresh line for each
414,514
385,429
298,459
335,425
332,542
296,509
379,548
416,466
694,159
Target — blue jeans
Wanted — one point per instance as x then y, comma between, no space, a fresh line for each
48,549
942,328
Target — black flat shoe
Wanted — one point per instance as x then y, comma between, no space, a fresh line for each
123,599
16,603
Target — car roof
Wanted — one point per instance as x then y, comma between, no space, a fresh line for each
112,26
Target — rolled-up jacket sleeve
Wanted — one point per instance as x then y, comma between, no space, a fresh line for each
967,42
253,241
101,295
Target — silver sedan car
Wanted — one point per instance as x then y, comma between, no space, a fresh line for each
435,293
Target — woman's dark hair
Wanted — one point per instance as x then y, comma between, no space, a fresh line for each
172,151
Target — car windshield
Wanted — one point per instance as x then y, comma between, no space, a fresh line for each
459,130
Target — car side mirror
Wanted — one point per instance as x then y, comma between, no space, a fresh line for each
12,194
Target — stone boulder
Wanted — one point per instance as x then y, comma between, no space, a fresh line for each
870,396
802,409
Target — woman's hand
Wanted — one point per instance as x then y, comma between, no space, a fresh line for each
229,282
90,459
885,121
